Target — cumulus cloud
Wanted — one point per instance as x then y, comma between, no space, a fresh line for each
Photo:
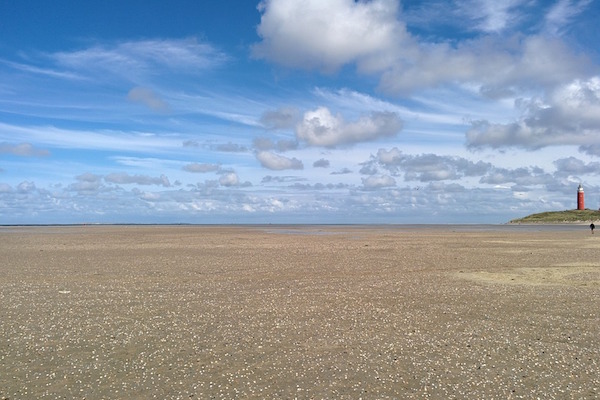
493,63
525,176
321,128
88,177
592,149
148,98
322,163
201,168
572,166
277,162
23,150
343,171
87,183
26,187
124,179
429,167
376,182
569,116
229,179
328,34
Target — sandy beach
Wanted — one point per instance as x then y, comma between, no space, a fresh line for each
307,312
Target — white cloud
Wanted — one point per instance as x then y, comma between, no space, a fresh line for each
321,163
593,149
150,196
491,15
570,116
429,167
229,179
89,139
26,187
370,35
42,71
321,128
377,182
87,183
495,63
89,177
521,176
277,162
562,14
572,165
329,34
133,58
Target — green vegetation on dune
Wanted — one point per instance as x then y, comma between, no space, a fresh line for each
560,217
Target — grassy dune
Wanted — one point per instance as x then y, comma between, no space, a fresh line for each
560,217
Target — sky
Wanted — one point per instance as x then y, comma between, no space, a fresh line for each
297,111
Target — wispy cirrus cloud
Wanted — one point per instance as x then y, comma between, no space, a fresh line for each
492,16
129,58
563,13
46,71
52,136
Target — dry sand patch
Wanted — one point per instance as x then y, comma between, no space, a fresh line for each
561,275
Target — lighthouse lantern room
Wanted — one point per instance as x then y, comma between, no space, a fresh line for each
580,201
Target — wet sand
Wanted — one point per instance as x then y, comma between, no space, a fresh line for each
323,312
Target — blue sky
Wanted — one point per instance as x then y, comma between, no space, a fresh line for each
297,111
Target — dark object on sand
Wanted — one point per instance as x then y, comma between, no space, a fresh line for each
592,226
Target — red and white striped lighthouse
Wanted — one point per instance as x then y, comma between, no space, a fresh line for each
580,202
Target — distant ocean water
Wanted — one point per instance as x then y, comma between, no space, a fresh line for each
323,229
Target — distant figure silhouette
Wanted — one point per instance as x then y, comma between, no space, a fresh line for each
592,226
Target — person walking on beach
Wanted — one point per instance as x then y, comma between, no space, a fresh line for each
592,226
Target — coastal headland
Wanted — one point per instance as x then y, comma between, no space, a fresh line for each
345,312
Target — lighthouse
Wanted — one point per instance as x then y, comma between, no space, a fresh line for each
580,202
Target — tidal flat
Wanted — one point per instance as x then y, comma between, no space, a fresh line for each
306,312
